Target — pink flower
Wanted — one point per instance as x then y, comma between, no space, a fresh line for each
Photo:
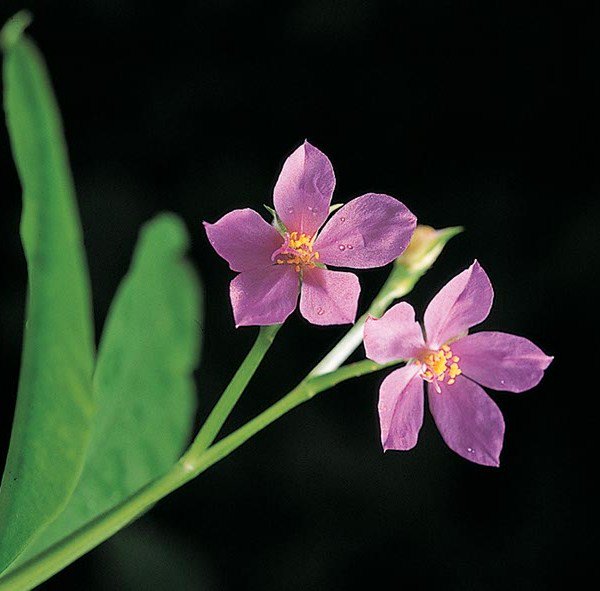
369,231
452,364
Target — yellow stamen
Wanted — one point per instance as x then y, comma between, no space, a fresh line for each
298,251
437,365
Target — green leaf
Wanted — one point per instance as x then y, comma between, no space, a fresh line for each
54,409
143,382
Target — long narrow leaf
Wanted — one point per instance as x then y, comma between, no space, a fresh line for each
54,410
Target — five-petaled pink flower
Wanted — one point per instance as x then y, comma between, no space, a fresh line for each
369,231
453,364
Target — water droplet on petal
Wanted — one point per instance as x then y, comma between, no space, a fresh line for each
320,311
349,246
502,382
342,247
470,450
290,210
342,219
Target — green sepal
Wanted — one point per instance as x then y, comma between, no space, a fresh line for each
276,223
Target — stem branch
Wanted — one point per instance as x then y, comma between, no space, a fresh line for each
199,457
236,387
193,462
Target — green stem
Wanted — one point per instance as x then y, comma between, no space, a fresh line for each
407,270
400,282
309,387
236,387
194,462
199,456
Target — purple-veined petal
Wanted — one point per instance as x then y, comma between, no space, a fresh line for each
244,239
462,303
401,408
501,361
469,421
303,190
264,296
369,231
396,335
329,297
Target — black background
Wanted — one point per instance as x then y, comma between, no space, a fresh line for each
472,113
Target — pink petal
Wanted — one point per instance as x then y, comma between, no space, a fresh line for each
396,335
329,297
264,296
369,231
244,239
462,303
303,191
468,420
501,361
401,408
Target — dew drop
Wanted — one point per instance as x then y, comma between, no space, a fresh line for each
470,450
290,210
320,311
349,246
502,382
342,219
342,247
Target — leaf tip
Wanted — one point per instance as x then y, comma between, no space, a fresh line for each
13,29
168,231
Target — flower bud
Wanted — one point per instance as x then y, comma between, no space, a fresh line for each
425,246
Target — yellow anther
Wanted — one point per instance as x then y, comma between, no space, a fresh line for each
454,370
298,251
439,365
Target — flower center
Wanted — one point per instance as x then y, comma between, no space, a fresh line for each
297,250
436,365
